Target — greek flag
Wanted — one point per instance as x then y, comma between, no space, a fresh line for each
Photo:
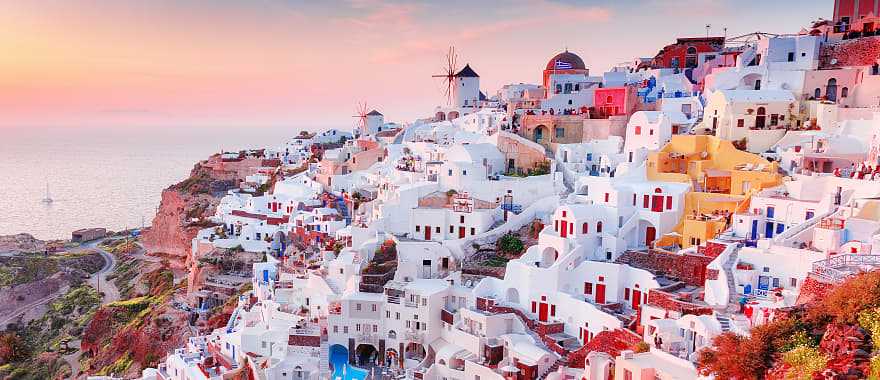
562,65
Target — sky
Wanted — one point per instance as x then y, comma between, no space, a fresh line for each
307,64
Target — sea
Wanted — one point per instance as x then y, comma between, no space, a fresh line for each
104,177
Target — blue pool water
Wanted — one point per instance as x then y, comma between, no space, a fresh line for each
339,359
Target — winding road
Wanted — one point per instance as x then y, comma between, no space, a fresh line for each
97,280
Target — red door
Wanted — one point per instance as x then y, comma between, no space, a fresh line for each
636,299
564,231
461,232
650,235
427,232
542,312
657,205
600,293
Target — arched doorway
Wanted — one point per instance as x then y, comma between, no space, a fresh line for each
761,118
366,354
831,90
415,351
541,132
548,257
452,115
512,296
440,116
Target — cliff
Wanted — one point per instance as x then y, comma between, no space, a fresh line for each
184,208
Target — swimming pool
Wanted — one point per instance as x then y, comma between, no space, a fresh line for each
341,369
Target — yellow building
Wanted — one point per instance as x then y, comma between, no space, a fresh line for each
722,180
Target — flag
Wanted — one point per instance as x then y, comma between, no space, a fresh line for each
562,65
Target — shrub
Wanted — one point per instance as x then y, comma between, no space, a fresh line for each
870,321
804,360
510,244
641,347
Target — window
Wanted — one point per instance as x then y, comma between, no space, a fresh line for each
646,201
461,219
464,172
626,294
669,202
638,130
345,329
792,282
607,196
451,229
775,282
599,226
473,231
844,92
388,314
588,288
358,307
740,123
809,215
335,329
585,228
791,56
437,229
560,132
589,157
634,199
770,211
418,228
374,307
397,316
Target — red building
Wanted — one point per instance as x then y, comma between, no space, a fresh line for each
848,11
684,53
614,101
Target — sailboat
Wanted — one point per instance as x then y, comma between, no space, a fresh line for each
48,199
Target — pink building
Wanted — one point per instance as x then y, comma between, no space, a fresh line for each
615,101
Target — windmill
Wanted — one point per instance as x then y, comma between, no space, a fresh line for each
449,74
361,111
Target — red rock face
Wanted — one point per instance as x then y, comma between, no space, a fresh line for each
856,52
168,237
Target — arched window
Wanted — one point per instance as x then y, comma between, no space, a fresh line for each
599,226
692,50
609,99
844,92
831,90
817,94
585,228
558,88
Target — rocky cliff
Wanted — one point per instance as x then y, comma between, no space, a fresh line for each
184,209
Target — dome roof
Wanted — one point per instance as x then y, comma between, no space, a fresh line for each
566,61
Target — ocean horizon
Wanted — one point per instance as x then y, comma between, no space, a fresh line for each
103,177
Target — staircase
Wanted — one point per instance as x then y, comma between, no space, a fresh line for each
324,361
553,368
732,296
724,321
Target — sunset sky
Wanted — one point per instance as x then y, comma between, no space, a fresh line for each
118,63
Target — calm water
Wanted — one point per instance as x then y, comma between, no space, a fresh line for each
100,177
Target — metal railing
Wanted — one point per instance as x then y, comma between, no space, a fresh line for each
838,268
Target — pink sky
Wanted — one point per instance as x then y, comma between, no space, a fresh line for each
291,63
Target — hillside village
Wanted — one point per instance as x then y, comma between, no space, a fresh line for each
592,226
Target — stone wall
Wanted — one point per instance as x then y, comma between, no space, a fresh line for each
856,52
688,268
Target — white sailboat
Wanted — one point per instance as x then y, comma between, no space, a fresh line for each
48,199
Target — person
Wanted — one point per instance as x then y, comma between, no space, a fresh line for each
658,341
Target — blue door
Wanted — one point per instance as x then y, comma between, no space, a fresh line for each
754,230
768,230
747,289
763,282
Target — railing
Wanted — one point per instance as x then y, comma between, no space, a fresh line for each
830,268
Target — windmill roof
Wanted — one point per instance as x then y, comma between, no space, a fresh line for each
374,113
467,72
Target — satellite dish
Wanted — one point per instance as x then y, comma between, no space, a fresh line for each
704,154
833,61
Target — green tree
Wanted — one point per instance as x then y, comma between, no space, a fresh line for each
510,244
